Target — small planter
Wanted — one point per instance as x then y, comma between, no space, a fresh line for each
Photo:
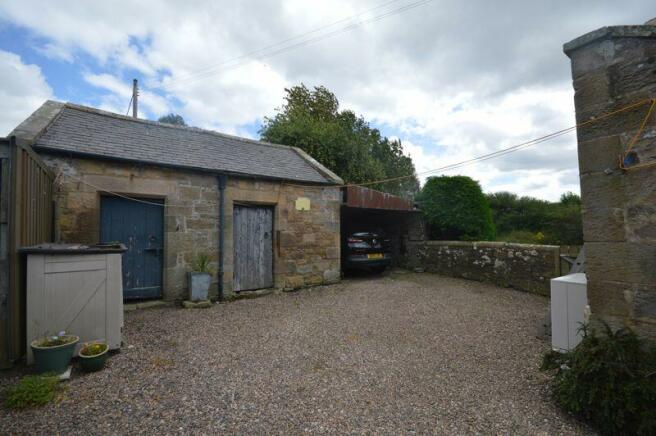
53,356
199,285
93,356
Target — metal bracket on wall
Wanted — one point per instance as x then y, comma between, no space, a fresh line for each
579,264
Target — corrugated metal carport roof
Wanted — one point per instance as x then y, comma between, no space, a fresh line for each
365,198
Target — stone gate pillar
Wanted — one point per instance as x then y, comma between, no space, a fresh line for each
613,67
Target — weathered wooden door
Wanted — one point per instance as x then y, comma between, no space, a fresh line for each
253,247
140,227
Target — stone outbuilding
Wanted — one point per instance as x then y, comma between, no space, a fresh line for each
266,215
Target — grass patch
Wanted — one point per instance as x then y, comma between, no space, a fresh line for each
32,391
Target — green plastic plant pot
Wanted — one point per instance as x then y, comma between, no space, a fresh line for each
93,363
53,359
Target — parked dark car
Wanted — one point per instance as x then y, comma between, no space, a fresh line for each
366,250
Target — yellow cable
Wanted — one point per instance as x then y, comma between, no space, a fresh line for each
642,126
635,138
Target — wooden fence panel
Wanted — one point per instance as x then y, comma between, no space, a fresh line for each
5,153
29,216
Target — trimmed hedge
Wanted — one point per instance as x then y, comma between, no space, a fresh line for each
456,209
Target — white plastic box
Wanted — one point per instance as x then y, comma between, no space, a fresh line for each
74,288
569,299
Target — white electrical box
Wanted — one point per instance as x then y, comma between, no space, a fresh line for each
569,298
76,288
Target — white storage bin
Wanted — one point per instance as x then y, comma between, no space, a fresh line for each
568,301
74,288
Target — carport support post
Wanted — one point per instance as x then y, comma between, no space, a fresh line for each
614,67
222,184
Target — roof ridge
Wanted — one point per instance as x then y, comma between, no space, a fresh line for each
325,172
38,122
90,131
102,112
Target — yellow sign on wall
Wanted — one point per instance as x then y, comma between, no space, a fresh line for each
302,203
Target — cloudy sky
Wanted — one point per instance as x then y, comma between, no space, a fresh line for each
451,79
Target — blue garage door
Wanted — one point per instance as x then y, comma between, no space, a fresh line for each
140,227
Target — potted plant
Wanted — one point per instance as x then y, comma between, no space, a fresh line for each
93,356
200,278
53,353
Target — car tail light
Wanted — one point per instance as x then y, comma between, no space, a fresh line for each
354,241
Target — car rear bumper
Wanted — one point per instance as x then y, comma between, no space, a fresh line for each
362,261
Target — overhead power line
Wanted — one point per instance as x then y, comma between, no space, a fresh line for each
517,147
265,52
212,67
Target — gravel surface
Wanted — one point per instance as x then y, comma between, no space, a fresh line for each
396,354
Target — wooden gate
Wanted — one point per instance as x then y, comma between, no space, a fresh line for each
253,247
26,218
138,225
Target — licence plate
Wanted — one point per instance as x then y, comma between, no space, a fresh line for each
375,256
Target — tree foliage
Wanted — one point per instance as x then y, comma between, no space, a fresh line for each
172,118
456,209
341,140
559,223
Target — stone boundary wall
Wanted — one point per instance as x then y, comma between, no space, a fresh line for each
521,266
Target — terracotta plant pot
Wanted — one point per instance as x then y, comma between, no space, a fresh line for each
95,362
53,359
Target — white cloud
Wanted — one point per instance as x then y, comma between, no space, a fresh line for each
458,129
22,90
56,52
245,95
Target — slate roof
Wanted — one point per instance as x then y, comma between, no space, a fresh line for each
65,127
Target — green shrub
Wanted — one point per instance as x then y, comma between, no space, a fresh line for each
32,391
609,380
456,209
559,222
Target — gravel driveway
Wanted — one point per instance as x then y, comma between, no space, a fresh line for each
396,354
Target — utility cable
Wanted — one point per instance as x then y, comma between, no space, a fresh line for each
209,68
129,106
194,77
513,148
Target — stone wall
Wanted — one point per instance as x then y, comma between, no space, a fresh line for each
306,242
612,68
524,267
